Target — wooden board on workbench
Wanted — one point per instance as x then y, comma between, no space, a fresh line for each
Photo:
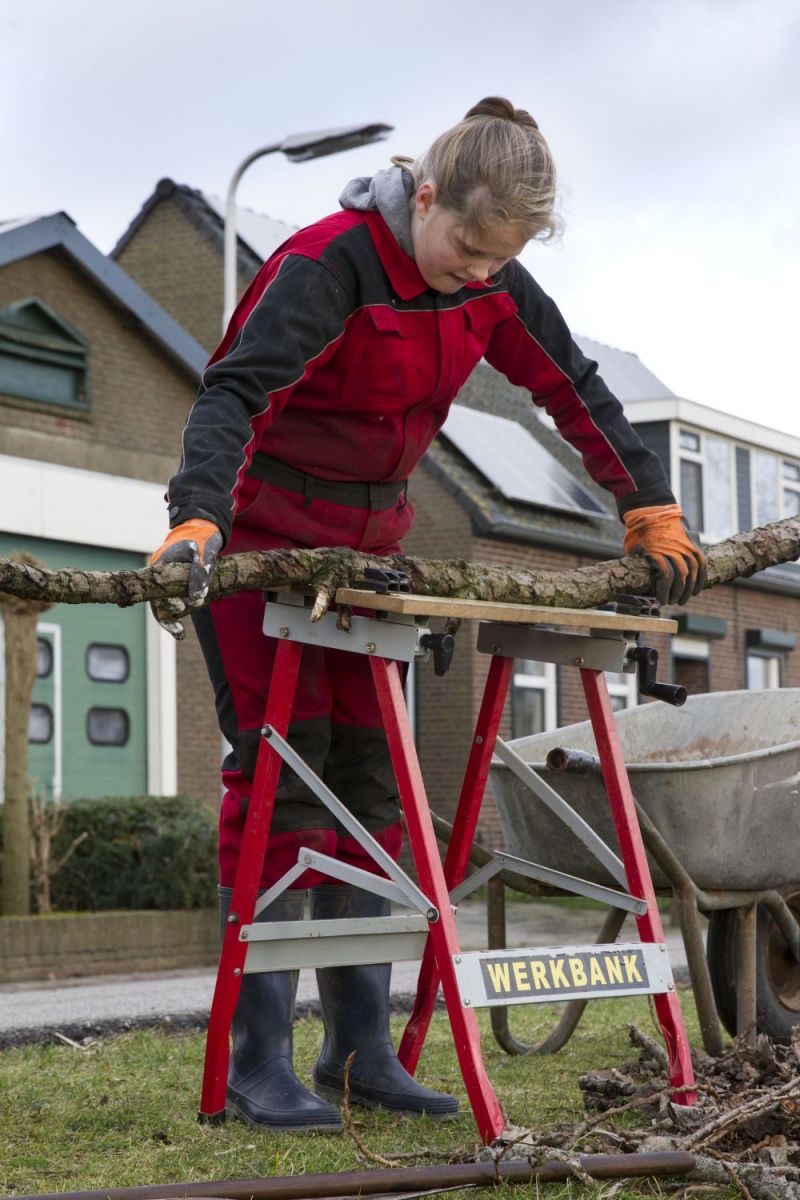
491,610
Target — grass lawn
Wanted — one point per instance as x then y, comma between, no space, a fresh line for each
123,1110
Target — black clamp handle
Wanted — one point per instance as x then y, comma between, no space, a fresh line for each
635,606
646,659
443,646
385,580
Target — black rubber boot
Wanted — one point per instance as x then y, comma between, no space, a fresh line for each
355,1009
263,1090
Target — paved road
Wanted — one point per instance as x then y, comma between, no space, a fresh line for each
86,1007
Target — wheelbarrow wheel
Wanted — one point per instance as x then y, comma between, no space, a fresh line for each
777,971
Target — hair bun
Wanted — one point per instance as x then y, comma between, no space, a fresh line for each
501,109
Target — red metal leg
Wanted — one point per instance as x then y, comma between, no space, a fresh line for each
455,863
442,933
637,870
248,875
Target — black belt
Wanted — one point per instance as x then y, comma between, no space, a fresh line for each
372,496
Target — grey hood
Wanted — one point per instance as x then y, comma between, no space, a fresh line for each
388,192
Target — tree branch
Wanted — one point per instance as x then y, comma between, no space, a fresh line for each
326,570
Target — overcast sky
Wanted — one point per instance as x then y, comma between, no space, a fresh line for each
675,127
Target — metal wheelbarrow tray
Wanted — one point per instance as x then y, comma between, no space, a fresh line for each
718,782
719,778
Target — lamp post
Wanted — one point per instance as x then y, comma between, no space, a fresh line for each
298,147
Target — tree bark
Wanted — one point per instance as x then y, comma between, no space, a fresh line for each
737,557
19,622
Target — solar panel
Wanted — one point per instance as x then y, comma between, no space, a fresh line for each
515,462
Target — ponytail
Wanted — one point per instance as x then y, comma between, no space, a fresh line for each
494,166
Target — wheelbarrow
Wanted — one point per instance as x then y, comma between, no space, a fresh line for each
717,788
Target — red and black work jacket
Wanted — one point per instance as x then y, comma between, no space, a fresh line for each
343,363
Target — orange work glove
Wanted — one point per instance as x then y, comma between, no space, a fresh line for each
197,542
661,535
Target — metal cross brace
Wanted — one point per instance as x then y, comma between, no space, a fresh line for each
558,805
414,898
568,883
315,860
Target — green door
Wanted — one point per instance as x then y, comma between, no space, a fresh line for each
88,727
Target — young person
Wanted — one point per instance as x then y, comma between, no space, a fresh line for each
336,372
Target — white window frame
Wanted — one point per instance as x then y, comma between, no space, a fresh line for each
775,661
690,647
783,484
679,453
68,504
788,485
51,630
546,683
627,687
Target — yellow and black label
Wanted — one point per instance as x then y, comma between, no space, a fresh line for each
551,976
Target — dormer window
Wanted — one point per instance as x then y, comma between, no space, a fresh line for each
42,358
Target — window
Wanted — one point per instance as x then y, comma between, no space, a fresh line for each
41,357
691,470
706,483
533,698
690,664
763,671
724,487
623,689
44,658
776,487
40,724
791,488
766,488
692,492
107,726
108,664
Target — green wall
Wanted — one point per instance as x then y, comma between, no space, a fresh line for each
87,769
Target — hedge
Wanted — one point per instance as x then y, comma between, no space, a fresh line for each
156,852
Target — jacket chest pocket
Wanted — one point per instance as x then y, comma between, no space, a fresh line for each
477,320
387,358
482,315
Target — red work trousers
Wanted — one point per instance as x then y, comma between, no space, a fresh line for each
335,726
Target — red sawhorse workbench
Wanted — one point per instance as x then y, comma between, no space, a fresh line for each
395,632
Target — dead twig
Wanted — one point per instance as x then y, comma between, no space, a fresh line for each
349,1123
760,1105
651,1048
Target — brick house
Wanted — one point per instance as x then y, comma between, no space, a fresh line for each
95,384
729,474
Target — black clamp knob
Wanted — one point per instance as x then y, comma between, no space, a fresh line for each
385,580
443,646
646,659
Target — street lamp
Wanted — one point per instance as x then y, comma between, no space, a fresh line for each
298,147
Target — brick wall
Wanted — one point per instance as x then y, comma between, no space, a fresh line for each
178,264
199,739
746,608
139,395
571,705
139,401
442,529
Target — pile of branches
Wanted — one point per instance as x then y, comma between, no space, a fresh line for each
744,1130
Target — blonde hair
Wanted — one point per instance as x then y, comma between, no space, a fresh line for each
494,166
